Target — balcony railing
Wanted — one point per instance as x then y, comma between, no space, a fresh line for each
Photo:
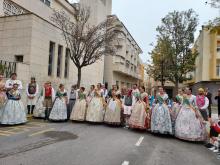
7,68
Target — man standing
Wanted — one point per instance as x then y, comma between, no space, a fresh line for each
218,99
32,92
49,96
72,100
208,94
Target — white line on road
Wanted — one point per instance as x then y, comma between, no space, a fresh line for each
125,163
139,141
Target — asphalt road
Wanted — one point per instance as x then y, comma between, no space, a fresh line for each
41,143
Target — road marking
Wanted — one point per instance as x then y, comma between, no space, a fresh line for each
125,163
139,141
41,132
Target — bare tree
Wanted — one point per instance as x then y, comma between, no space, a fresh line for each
87,43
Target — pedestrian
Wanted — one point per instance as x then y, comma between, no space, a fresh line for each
208,94
96,107
160,117
49,97
113,110
139,116
32,95
105,92
202,103
13,112
145,98
218,101
13,80
189,123
127,106
59,109
72,100
79,110
3,96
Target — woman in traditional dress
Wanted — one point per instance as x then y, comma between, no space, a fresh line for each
32,95
176,107
189,122
95,109
79,109
3,97
59,110
160,118
39,110
145,98
202,102
113,110
138,115
14,111
91,94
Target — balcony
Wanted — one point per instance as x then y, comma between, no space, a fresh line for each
121,68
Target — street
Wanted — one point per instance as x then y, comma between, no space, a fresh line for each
43,143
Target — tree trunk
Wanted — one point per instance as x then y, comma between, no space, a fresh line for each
176,88
79,76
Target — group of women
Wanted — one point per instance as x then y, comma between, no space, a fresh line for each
185,118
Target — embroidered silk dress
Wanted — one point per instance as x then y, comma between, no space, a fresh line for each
59,110
160,118
79,109
95,109
113,112
3,96
189,123
14,112
39,111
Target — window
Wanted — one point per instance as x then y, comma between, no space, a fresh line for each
59,60
47,2
19,58
67,57
51,58
218,70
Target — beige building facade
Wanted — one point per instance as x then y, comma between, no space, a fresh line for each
30,41
123,68
207,65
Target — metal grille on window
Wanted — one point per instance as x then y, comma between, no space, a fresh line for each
51,57
11,8
66,70
59,60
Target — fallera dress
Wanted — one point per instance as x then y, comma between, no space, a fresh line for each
160,118
113,112
95,110
79,109
189,123
14,111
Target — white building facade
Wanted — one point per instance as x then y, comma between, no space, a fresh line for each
31,45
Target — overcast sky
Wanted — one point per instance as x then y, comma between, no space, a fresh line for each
141,17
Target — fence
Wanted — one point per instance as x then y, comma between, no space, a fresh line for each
7,68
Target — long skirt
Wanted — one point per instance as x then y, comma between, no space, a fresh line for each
113,116
138,117
13,113
95,111
79,111
161,120
70,107
188,126
2,102
175,110
39,110
59,111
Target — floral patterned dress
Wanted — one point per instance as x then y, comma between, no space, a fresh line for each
160,118
59,110
3,97
189,123
14,111
79,109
